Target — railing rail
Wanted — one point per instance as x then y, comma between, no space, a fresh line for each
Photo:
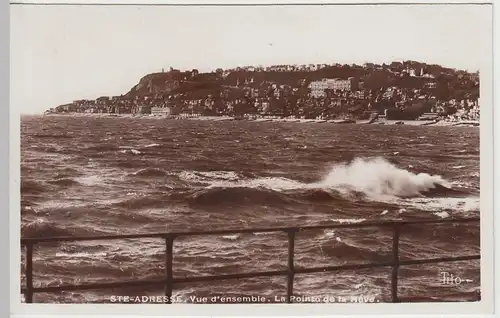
169,280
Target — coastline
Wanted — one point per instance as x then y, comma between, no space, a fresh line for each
464,123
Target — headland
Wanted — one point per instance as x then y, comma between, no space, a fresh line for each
397,93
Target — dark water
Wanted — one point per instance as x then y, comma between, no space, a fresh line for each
91,176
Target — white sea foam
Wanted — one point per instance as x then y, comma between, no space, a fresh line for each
275,183
151,145
378,177
271,183
442,215
212,177
330,233
134,151
91,180
468,204
349,221
226,175
81,254
231,237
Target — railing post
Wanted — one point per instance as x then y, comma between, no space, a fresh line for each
291,267
28,296
169,243
395,262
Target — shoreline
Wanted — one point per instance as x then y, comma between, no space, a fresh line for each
433,123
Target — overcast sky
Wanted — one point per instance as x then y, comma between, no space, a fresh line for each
63,53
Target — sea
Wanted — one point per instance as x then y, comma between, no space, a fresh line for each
84,176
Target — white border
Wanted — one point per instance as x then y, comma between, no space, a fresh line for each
483,308
248,2
4,167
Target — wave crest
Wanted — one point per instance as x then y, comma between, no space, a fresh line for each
209,176
64,182
43,228
378,177
151,172
345,251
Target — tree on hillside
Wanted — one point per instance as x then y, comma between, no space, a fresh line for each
219,73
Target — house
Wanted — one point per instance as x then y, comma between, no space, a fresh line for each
161,111
264,108
397,65
141,109
103,100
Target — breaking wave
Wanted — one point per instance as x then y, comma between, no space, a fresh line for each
378,177
362,179
373,177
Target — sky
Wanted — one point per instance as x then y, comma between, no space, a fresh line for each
64,53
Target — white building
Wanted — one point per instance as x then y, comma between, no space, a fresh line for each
161,111
318,88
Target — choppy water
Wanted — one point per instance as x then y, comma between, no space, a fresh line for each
85,176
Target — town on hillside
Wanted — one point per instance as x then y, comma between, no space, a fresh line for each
400,90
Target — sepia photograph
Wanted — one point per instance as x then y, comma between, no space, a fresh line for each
276,154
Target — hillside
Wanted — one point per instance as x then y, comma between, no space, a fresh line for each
284,90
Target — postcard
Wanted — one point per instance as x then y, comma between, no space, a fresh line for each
325,157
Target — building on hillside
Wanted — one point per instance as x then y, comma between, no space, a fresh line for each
428,116
103,100
264,108
141,109
318,88
161,111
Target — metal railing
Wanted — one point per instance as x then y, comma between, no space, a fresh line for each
169,281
